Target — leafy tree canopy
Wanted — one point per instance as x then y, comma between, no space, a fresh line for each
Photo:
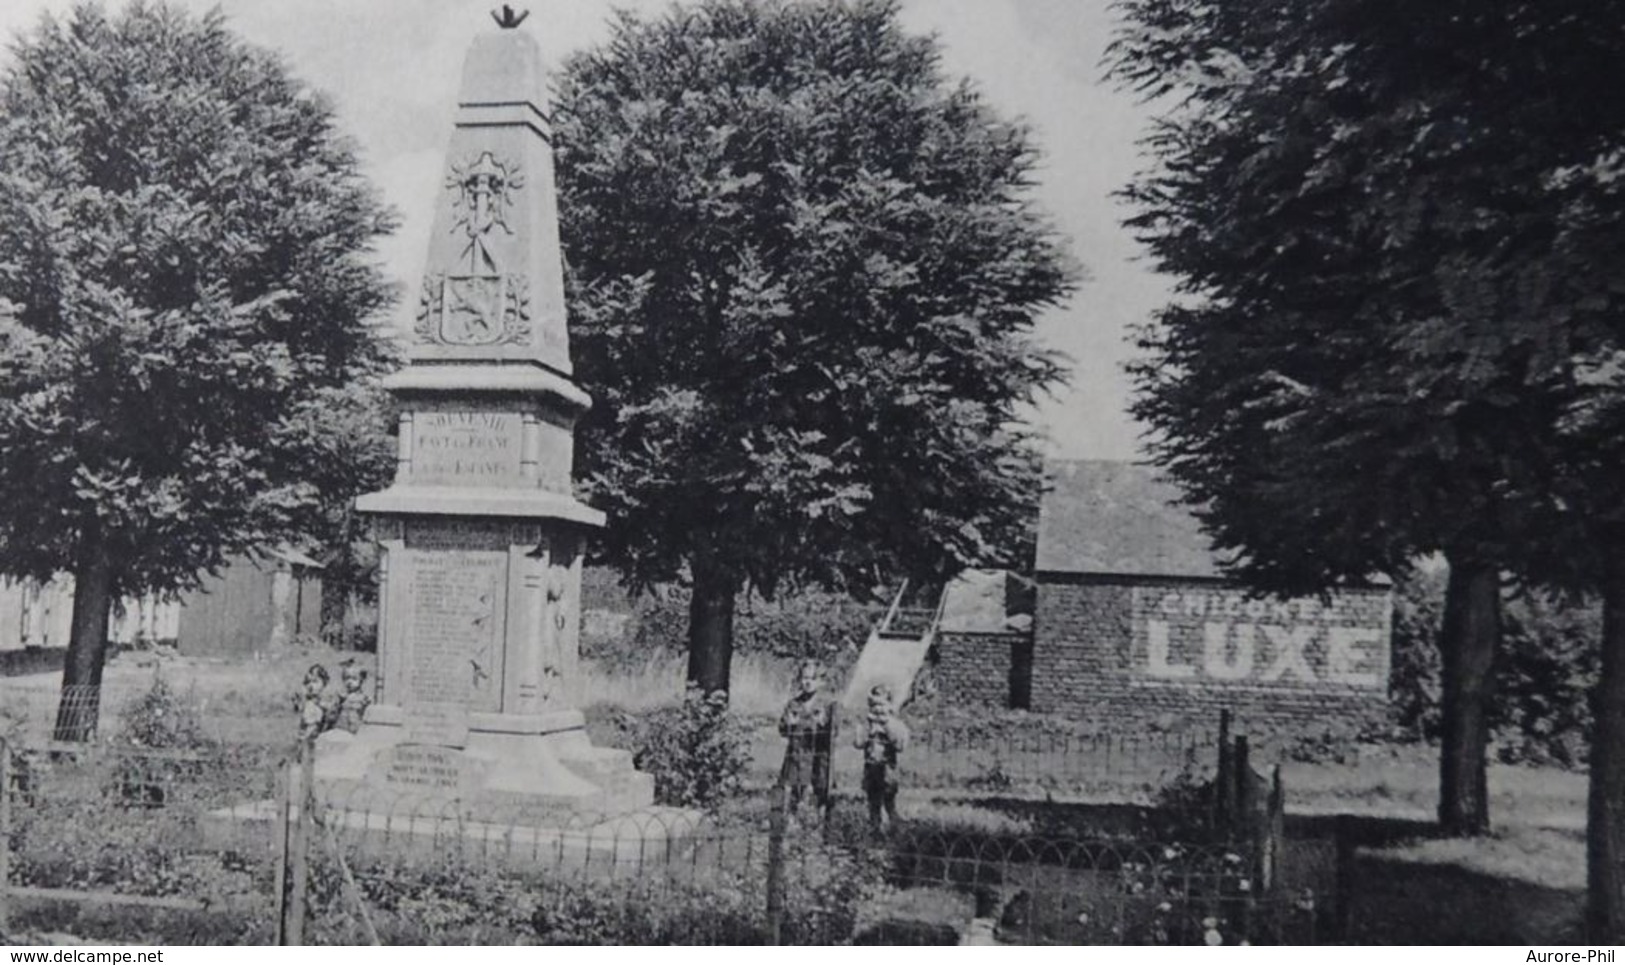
806,267
184,247
1362,199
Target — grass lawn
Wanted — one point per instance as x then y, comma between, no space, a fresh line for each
1404,783
1520,886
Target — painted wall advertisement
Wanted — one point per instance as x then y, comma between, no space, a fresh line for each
1204,635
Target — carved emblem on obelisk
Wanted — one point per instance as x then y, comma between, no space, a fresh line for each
479,303
484,188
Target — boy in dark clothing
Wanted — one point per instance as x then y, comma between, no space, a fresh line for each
883,737
808,726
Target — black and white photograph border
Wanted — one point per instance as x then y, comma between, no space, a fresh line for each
812,472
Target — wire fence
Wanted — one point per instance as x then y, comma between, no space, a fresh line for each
1126,767
47,713
234,844
94,825
953,755
218,843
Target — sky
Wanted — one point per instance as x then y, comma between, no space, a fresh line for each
391,68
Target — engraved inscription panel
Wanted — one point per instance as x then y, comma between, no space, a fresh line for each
466,448
432,769
458,603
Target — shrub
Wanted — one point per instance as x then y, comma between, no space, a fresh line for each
453,901
627,913
1203,896
162,718
1415,672
1336,741
697,752
78,836
826,886
356,629
42,923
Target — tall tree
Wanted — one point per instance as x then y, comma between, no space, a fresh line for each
1591,467
184,242
1356,194
806,267
1468,140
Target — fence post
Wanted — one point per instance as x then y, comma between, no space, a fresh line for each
1272,834
302,802
1243,768
1344,836
279,847
5,837
778,823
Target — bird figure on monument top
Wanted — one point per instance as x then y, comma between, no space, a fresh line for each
507,19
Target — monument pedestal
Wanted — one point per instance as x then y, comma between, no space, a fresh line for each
482,537
478,625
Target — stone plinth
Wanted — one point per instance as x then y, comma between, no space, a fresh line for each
506,769
479,622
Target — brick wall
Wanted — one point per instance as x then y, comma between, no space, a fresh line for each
974,669
1168,652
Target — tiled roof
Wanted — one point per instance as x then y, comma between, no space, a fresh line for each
1118,519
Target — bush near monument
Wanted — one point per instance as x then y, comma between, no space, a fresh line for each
697,751
162,718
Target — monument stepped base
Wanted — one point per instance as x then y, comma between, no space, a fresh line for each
520,791
527,770
648,842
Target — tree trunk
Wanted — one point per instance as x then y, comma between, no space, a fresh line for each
1605,824
711,627
1468,642
80,704
335,607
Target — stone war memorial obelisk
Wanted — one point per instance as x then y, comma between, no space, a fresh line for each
481,537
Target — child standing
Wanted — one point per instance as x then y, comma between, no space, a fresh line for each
883,738
352,706
314,703
808,726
